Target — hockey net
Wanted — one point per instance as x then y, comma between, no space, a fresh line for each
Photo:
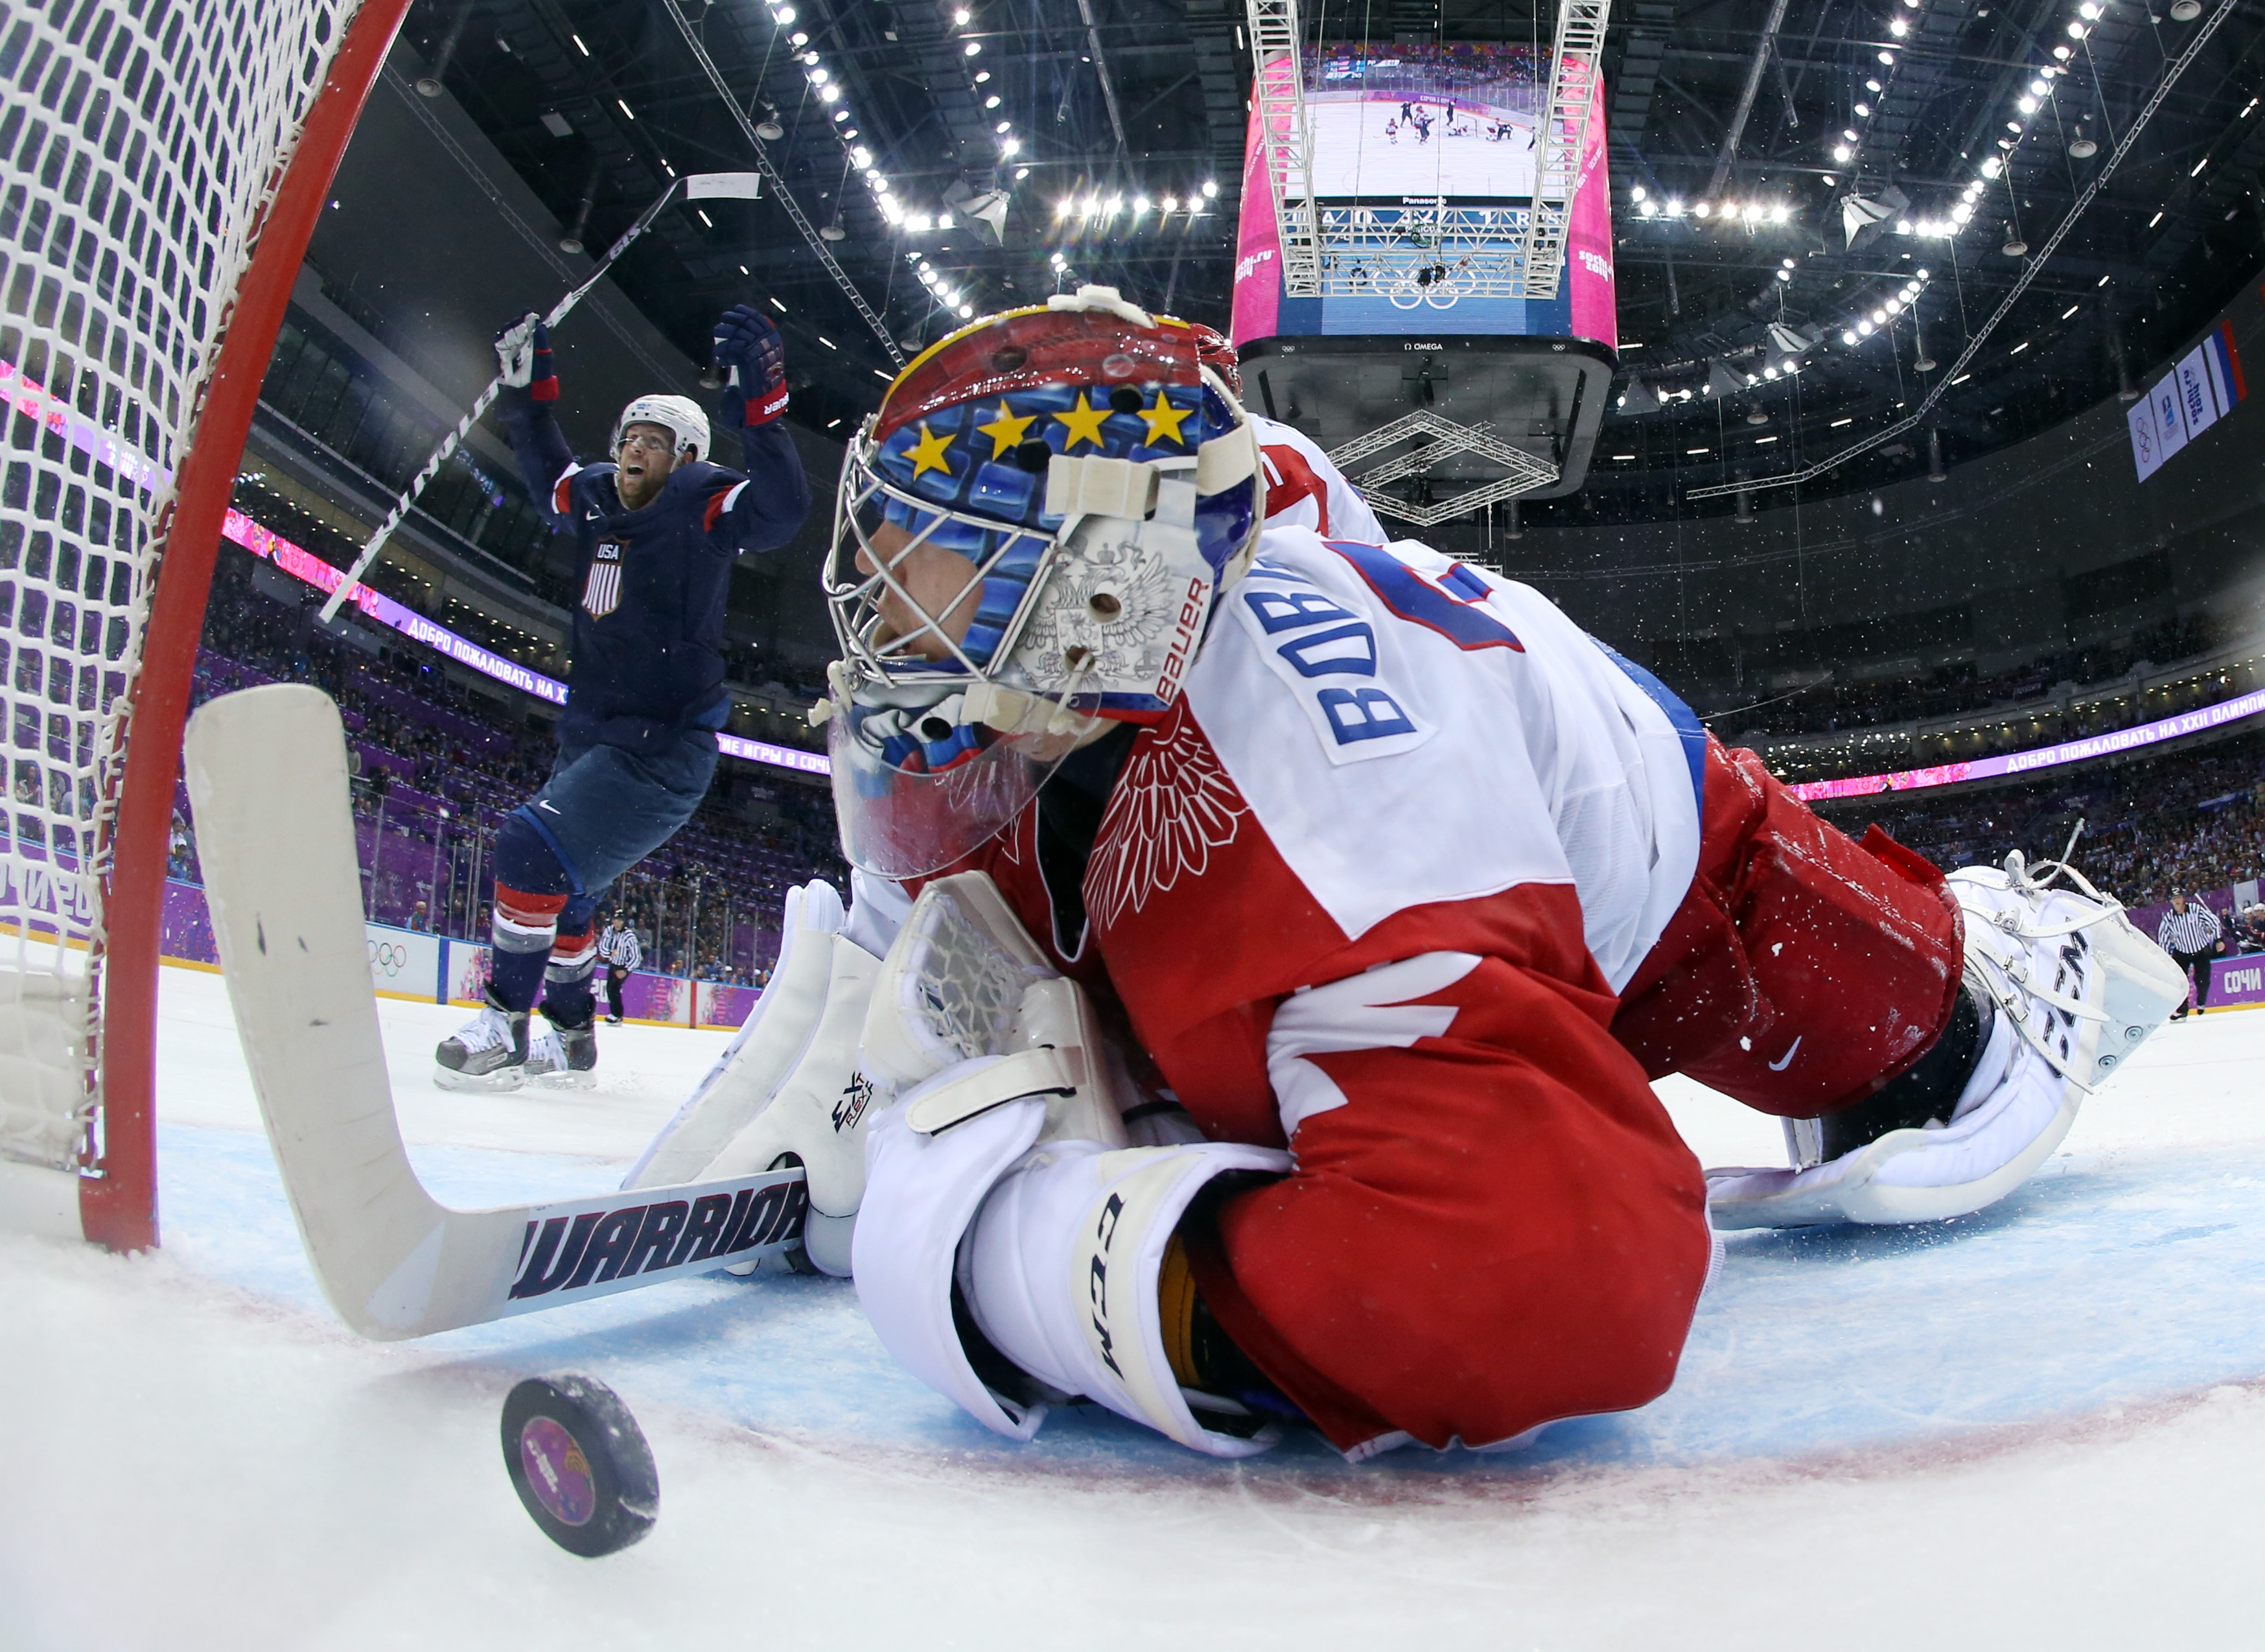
149,152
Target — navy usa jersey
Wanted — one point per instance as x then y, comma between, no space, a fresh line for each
650,584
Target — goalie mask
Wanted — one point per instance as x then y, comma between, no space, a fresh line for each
1030,540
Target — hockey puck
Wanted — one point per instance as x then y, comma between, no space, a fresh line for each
580,1464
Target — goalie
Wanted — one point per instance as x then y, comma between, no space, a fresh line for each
656,533
1300,923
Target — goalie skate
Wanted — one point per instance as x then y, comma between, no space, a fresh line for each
2075,991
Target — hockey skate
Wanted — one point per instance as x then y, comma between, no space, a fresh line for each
488,1053
2060,991
564,1057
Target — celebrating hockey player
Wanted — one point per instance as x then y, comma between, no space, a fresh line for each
657,531
1263,942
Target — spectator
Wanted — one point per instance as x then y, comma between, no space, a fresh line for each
2192,935
420,920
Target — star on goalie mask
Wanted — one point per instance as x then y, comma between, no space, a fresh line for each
1029,541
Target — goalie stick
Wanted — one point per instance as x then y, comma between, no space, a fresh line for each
267,781
697,186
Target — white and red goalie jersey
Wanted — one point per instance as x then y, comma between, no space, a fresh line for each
1421,882
1304,488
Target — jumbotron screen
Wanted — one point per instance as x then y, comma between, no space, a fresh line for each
1454,120
1424,170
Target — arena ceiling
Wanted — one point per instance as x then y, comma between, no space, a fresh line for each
1739,131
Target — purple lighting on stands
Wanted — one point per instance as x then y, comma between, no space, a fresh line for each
2210,717
304,565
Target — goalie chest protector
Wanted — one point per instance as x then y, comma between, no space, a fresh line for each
1380,752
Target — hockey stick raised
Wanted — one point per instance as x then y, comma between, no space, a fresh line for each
697,186
267,780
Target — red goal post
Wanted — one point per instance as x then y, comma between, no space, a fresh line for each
161,166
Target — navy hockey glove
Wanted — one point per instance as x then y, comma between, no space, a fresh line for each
750,349
523,353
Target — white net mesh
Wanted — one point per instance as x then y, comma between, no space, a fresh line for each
138,142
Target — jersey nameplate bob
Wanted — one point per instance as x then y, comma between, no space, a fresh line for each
602,591
1326,655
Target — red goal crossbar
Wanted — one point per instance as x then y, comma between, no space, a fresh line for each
118,1201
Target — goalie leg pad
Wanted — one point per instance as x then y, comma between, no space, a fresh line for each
787,1085
963,984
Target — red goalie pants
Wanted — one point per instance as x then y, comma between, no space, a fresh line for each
1499,1226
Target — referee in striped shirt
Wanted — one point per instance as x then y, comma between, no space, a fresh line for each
2193,936
619,951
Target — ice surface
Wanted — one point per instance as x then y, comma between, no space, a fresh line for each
2044,1421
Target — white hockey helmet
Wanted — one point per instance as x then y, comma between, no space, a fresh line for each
679,415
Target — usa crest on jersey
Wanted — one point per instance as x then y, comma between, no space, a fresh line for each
602,591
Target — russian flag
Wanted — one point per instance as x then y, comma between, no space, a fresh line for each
2225,360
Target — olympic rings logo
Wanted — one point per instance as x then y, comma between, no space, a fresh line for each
387,958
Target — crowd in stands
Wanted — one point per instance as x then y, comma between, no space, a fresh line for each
1833,706
2192,821
437,765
